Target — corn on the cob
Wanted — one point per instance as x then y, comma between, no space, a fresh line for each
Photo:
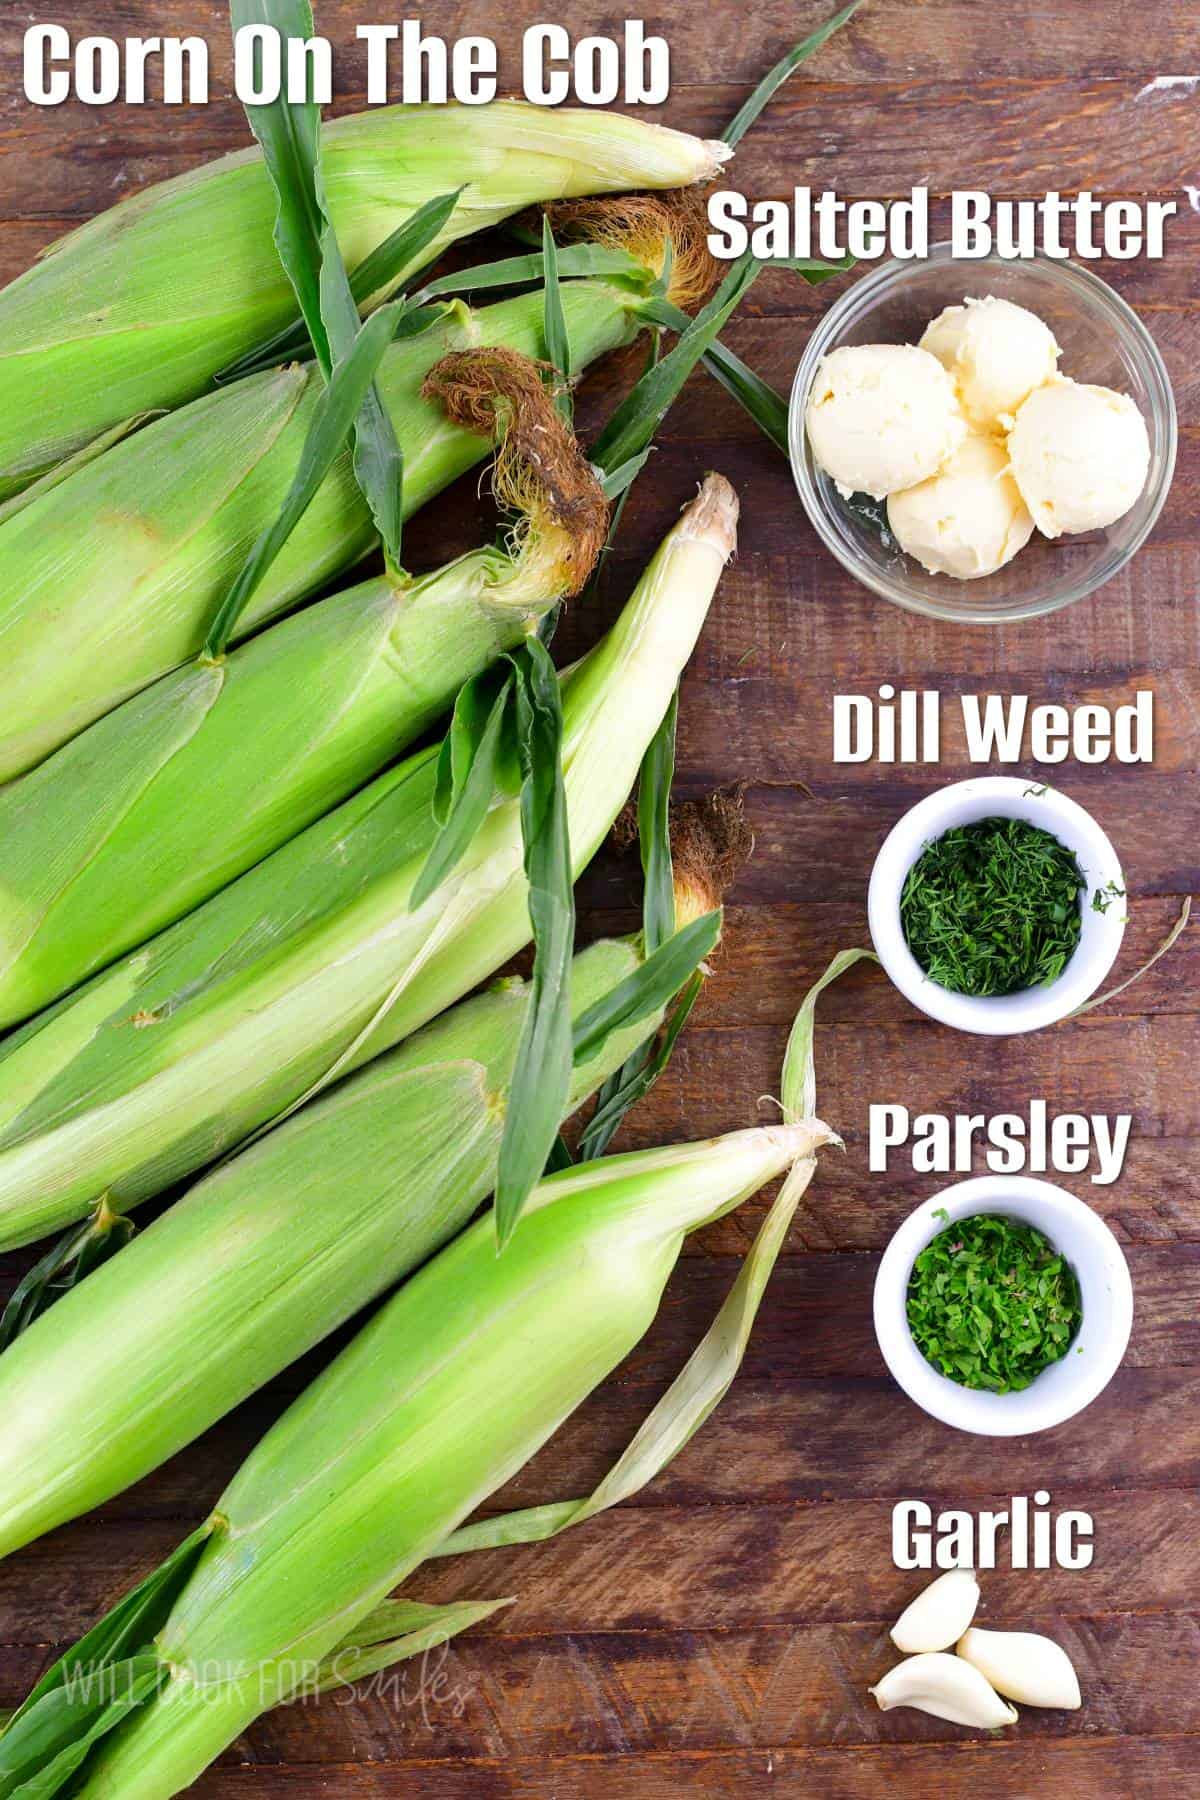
452,1387
459,1378
269,1254
143,306
197,778
312,962
113,577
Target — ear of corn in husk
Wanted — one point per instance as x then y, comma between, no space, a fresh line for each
113,577
709,1372
312,963
144,305
270,1253
189,783
456,1383
459,1378
45,484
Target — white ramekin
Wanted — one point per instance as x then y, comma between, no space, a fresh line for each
1106,1296
1013,797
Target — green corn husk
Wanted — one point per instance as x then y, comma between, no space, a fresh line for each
313,963
269,1254
112,578
143,306
460,1379
175,793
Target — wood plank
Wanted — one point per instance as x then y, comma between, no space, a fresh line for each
848,1208
787,610
754,983
1008,136
804,832
1055,38
496,1698
1078,1770
772,345
1004,135
745,1565
839,833
1116,1065
783,1436
734,710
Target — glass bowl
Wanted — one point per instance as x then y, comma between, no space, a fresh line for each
1102,341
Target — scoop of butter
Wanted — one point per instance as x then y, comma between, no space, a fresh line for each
882,417
996,352
1080,456
967,520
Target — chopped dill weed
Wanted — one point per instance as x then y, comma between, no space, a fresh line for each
991,1303
1104,897
993,908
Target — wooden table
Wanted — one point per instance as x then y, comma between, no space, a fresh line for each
718,1636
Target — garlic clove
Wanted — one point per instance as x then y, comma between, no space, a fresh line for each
947,1687
938,1617
1026,1667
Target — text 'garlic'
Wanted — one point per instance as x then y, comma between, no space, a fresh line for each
1026,1667
939,1616
947,1687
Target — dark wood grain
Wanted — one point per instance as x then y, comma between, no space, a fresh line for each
1095,1770
719,1635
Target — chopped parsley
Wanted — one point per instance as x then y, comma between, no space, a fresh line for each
993,908
991,1303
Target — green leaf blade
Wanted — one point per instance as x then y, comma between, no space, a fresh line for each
558,342
542,1074
70,1261
654,831
333,417
618,484
650,987
377,273
290,135
396,1631
799,1083
765,405
76,1701
575,261
636,421
771,83
634,1081
467,776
